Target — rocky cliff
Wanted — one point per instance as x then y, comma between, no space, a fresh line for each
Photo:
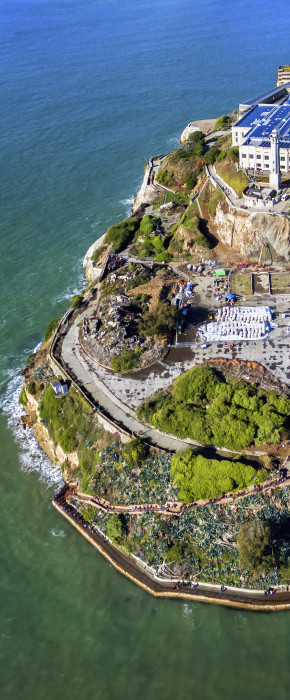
246,232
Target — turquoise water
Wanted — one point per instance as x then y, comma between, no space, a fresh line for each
90,91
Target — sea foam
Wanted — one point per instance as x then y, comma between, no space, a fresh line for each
31,456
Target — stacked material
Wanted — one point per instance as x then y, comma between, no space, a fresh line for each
239,323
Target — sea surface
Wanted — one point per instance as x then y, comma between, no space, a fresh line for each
90,89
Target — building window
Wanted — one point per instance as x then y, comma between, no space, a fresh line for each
244,155
282,158
266,165
266,157
258,156
251,155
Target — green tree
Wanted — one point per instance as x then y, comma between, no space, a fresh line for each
255,546
115,529
148,224
211,156
135,452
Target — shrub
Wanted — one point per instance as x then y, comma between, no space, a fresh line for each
196,136
211,156
128,359
190,182
115,528
31,388
205,407
158,321
202,241
148,224
164,256
22,397
198,477
77,301
122,233
254,544
135,452
98,252
52,325
165,177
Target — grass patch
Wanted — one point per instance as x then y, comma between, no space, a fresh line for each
241,284
236,179
216,197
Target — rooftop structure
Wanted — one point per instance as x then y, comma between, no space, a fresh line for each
59,388
270,97
263,137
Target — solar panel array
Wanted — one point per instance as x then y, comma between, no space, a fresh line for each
263,119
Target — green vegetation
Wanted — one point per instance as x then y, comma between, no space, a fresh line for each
190,219
32,388
216,197
115,528
241,284
255,546
122,233
205,407
135,452
128,359
179,198
52,325
77,301
159,321
98,252
165,177
201,478
22,397
148,224
223,122
67,418
236,179
211,156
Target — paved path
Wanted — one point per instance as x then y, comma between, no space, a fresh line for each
81,366
173,507
140,574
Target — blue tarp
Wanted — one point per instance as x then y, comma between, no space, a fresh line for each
230,296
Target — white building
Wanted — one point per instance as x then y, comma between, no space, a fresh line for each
263,138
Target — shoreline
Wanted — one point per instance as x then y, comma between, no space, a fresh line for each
130,569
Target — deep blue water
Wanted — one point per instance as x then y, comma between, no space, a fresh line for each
89,91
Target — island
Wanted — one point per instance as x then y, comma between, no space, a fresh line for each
163,391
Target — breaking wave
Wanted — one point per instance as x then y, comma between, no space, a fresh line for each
128,203
31,456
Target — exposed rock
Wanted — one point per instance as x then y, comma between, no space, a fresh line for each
147,193
246,232
189,129
92,271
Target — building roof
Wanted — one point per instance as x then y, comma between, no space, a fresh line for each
270,96
261,121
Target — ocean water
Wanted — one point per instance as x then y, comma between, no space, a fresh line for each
89,91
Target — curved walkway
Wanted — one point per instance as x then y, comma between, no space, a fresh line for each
168,588
173,507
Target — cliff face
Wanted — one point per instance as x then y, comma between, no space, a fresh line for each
52,450
147,193
246,232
